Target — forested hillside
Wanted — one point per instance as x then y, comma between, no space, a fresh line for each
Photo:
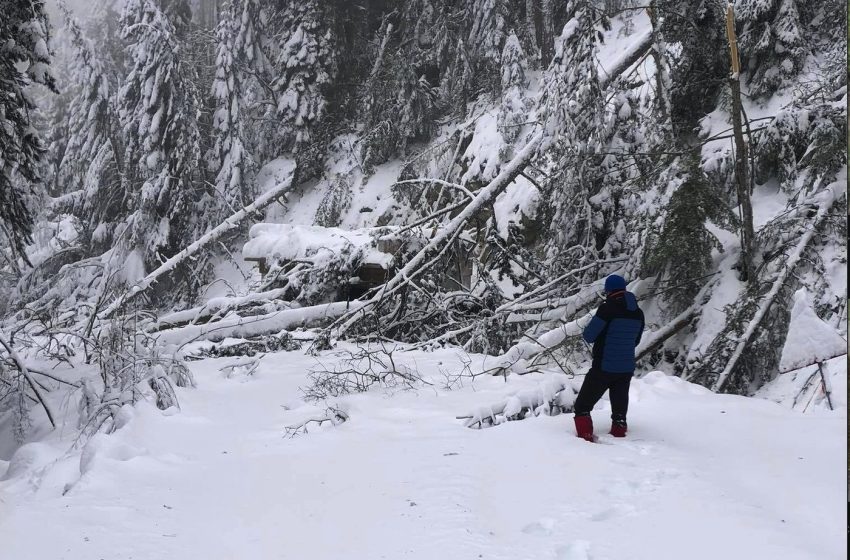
500,157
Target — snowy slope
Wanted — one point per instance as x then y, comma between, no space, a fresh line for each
701,476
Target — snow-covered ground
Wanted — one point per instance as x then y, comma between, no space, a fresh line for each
700,476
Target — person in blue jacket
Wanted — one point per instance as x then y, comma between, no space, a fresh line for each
614,331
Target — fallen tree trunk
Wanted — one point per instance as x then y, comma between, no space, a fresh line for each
827,198
260,325
657,338
429,254
638,50
217,232
218,308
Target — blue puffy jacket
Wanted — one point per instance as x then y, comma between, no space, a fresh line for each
615,331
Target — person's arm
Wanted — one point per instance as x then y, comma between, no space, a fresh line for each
596,325
640,332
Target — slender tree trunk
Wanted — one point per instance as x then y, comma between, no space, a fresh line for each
531,26
548,32
660,94
742,182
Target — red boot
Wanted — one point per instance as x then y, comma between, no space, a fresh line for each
584,427
618,429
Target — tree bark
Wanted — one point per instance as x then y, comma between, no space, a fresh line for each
547,35
531,27
742,182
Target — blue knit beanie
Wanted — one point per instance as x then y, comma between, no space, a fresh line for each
615,283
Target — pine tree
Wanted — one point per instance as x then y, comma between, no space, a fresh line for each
486,39
574,109
251,39
89,161
158,110
681,251
229,159
305,64
514,106
700,69
24,60
487,30
424,71
771,42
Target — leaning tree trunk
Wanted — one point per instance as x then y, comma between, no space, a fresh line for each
216,233
658,59
547,35
742,182
824,206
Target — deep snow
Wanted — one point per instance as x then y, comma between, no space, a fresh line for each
700,476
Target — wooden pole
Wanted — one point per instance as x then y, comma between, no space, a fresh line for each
741,148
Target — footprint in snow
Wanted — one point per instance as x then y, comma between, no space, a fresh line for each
642,448
576,550
616,510
542,526
622,488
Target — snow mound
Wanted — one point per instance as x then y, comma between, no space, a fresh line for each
287,242
28,459
105,448
809,338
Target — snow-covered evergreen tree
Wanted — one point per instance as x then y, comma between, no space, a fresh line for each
771,42
229,158
88,169
158,111
514,107
24,60
575,110
486,39
305,66
679,254
701,64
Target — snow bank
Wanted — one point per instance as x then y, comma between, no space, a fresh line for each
803,389
809,338
28,459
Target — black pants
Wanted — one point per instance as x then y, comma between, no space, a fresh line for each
595,384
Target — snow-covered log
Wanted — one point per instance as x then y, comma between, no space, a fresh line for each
517,357
218,307
555,395
244,327
217,232
826,199
653,340
627,59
